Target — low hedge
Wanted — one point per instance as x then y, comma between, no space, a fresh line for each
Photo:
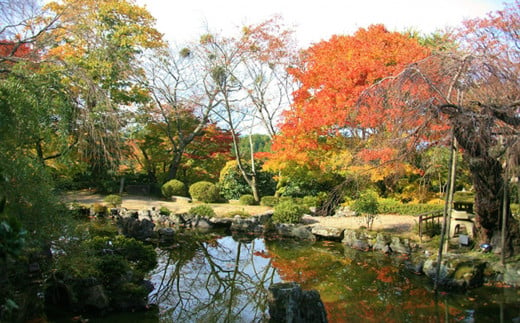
391,206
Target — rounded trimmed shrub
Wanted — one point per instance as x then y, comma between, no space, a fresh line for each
247,199
203,210
232,184
269,201
164,211
288,212
173,187
113,199
204,191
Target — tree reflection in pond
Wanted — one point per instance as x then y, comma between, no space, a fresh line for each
221,279
358,286
224,280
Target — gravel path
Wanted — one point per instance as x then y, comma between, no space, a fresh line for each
383,222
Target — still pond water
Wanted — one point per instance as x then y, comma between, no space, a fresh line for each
226,280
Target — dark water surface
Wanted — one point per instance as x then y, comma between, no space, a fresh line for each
226,280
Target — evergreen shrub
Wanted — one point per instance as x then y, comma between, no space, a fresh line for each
240,213
202,210
100,210
204,191
289,212
164,211
392,206
173,187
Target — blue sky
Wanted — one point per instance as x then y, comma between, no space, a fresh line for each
183,21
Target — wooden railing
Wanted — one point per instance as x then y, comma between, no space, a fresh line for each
429,218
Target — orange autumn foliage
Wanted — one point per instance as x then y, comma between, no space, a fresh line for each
333,76
16,49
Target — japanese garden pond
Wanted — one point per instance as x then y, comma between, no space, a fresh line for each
225,279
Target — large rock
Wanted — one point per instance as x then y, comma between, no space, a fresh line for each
328,233
202,224
293,231
456,271
400,245
512,274
77,295
264,217
289,303
137,229
58,295
166,235
356,240
382,243
221,222
248,225
178,219
415,263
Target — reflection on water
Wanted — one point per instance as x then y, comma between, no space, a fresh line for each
224,280
221,280
371,287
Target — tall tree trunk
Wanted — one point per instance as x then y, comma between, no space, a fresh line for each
254,184
476,132
174,165
150,167
475,135
445,233
489,189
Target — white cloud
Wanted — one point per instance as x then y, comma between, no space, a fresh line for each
183,21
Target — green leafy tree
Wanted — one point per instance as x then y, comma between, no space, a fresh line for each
96,48
368,206
64,71
155,145
259,143
232,184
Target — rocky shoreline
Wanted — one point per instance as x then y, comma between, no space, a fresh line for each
457,271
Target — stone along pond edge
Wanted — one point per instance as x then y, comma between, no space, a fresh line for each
458,271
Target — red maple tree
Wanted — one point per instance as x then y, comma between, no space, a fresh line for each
326,118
